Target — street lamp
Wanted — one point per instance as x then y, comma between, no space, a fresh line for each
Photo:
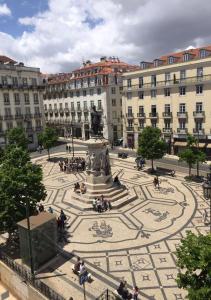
71,126
207,191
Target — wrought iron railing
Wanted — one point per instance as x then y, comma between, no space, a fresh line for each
26,275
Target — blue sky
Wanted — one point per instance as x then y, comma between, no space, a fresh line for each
20,9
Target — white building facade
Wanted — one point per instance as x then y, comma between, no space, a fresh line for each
69,97
21,101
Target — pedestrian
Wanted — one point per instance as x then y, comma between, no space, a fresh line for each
158,182
63,218
50,210
41,208
135,293
69,148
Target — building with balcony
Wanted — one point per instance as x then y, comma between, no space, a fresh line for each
69,97
172,93
21,102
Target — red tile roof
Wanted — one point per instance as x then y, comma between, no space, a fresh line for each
4,59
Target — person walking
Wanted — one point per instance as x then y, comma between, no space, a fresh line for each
69,148
135,293
50,210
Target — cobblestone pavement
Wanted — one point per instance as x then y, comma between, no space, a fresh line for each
138,241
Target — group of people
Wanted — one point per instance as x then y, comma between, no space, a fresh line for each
140,162
80,188
125,294
72,164
68,148
79,268
101,204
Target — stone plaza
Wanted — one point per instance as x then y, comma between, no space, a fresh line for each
135,241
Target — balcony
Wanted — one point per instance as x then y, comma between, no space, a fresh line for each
198,114
170,83
99,108
85,109
66,110
167,115
28,116
55,110
79,109
198,131
182,130
141,115
8,117
130,128
18,117
167,130
129,115
72,109
153,115
182,114
61,110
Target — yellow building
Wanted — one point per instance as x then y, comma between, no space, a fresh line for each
172,93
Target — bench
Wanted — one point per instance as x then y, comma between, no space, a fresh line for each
166,171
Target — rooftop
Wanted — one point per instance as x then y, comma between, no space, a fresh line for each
36,221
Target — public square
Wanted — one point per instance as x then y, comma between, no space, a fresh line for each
135,242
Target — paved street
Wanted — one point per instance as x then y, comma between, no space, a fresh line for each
136,242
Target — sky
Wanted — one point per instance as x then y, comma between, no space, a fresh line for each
58,35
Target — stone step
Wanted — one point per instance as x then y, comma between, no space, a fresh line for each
109,193
112,198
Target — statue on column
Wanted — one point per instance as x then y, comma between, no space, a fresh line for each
105,163
87,161
95,121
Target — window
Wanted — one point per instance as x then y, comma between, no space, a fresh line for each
129,83
141,110
167,78
34,81
141,95
199,106
182,107
113,102
182,75
167,92
99,104
7,111
120,101
182,124
153,110
203,53
6,98
60,105
71,94
77,93
36,100
78,105
198,125
141,82
92,103
141,123
4,80
9,125
153,93
26,98
199,72
18,111
113,90
28,110
84,93
85,104
24,80
153,80
36,110
99,91
171,59
154,123
167,108
129,95
91,92
15,81
17,98
182,90
167,124
72,105
130,123
114,115
130,111
186,57
199,89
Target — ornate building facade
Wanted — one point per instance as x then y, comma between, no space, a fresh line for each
21,102
69,97
173,93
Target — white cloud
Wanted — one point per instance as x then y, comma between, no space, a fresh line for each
4,10
73,30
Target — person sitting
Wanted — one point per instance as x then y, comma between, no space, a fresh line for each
94,204
82,269
76,266
120,288
116,180
83,188
99,206
104,204
109,204
76,187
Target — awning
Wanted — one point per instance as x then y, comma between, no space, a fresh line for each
181,144
209,146
201,145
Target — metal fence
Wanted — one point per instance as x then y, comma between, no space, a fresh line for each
108,295
26,275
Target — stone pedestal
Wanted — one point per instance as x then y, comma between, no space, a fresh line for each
98,171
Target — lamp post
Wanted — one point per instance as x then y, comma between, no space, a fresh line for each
71,126
207,191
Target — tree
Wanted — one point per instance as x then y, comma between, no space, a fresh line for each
16,136
189,157
192,155
48,139
194,259
20,180
151,146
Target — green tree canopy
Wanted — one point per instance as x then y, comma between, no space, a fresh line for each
151,145
194,260
189,157
19,180
48,139
16,136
